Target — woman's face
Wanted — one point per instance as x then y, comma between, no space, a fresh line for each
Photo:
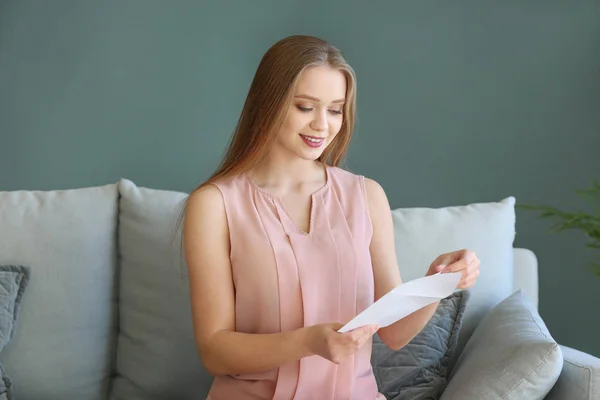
316,113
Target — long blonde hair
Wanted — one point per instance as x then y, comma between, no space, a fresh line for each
269,99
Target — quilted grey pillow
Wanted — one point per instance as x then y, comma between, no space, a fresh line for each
13,282
419,370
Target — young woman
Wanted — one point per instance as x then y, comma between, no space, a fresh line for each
283,246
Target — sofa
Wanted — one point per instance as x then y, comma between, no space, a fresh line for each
102,309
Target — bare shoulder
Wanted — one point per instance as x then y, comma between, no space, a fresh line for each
351,178
375,194
208,196
372,186
206,245
205,214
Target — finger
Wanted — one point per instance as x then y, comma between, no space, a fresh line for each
455,267
474,261
469,259
467,284
462,282
473,268
358,338
468,255
464,254
472,272
366,330
469,270
336,326
364,340
468,281
443,259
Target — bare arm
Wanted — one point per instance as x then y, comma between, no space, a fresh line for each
386,272
222,350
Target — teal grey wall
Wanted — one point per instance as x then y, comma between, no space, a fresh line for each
459,102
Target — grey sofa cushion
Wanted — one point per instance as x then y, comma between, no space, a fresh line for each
579,378
67,325
420,369
511,355
13,283
156,352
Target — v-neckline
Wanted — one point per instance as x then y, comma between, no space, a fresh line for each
280,204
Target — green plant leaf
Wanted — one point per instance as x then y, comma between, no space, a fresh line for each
591,194
595,266
589,223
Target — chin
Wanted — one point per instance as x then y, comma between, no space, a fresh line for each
311,155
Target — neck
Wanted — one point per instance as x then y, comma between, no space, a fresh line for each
285,171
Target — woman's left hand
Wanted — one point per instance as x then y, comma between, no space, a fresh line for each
464,261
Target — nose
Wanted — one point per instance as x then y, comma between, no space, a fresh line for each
319,123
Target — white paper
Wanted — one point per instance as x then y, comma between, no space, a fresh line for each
405,299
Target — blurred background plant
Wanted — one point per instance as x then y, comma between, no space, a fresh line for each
588,222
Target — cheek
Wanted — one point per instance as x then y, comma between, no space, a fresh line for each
335,126
288,129
294,123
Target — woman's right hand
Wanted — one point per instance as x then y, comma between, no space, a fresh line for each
324,340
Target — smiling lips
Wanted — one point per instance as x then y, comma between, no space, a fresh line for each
312,141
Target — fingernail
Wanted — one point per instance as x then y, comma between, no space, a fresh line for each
470,256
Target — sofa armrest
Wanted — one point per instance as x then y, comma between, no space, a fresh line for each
579,378
525,275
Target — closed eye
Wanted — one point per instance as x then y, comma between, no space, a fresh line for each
305,109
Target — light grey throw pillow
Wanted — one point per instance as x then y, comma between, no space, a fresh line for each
13,282
511,355
419,370
156,355
67,331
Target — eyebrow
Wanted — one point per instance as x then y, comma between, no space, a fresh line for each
305,96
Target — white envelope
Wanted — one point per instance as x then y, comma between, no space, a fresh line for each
405,299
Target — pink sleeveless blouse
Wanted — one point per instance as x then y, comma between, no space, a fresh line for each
286,279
